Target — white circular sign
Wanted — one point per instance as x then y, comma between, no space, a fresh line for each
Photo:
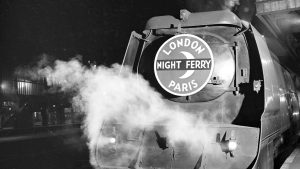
183,64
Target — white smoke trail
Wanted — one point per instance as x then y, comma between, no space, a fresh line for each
106,94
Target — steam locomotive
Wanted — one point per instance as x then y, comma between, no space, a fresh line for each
200,60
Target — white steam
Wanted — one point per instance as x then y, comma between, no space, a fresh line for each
105,94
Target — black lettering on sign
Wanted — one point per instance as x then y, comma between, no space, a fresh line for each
184,64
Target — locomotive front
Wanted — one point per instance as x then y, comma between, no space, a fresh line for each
200,63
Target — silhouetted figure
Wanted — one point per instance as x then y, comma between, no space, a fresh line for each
44,115
24,117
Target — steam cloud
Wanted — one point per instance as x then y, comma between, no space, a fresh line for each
105,94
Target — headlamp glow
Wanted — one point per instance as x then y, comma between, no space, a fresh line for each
112,140
232,145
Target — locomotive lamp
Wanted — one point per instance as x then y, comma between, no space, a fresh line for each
112,140
110,134
232,145
108,139
227,146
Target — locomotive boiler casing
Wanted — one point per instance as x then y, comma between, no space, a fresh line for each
249,102
280,119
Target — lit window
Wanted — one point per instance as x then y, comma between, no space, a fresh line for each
24,88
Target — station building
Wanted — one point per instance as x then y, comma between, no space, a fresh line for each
29,103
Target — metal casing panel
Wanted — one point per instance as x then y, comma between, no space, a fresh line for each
224,17
210,155
131,50
247,138
273,117
283,92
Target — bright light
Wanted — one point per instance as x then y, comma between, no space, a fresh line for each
232,145
23,85
3,86
112,140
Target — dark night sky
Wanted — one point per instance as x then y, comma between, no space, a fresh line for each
95,29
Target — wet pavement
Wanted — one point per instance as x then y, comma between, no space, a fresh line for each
62,149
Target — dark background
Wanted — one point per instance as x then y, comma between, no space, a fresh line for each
96,29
